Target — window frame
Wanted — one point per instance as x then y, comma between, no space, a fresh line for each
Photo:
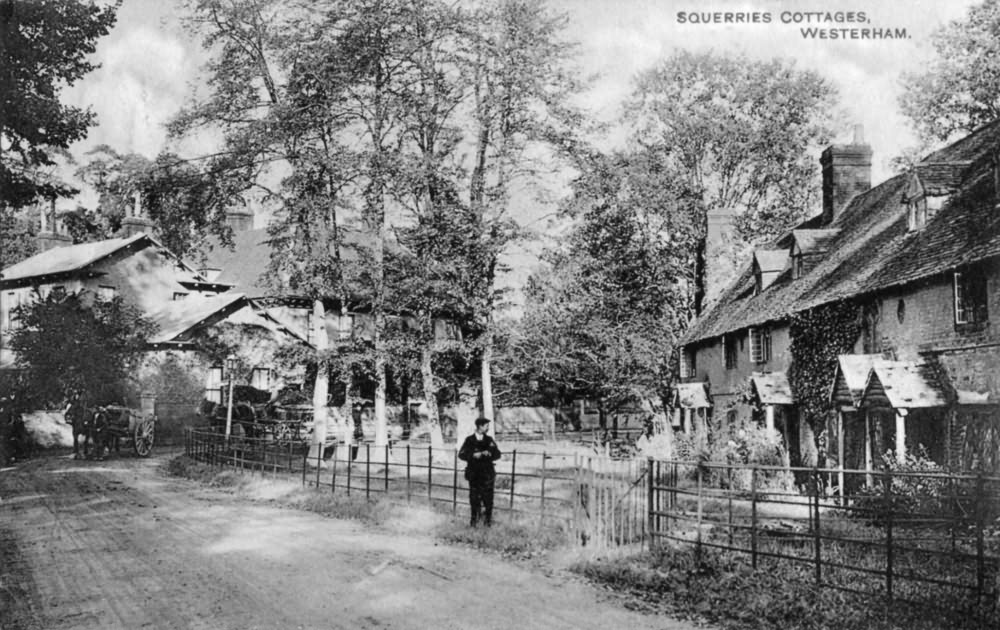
730,352
102,292
970,297
759,338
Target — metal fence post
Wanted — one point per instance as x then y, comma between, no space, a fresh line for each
368,470
333,477
541,520
430,473
350,467
753,517
649,500
887,479
305,464
816,530
387,469
697,544
454,483
980,542
513,473
729,496
407,473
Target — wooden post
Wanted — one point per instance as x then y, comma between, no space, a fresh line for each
769,417
840,455
868,448
729,496
900,434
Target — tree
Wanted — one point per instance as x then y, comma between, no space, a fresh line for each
740,133
66,344
522,84
44,45
960,89
602,321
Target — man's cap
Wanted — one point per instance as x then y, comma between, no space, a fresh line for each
481,421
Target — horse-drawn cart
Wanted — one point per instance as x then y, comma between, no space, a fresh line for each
118,423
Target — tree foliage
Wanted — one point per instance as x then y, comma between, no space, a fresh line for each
65,344
44,46
960,89
740,133
602,321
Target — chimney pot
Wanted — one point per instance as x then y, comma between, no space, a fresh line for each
859,134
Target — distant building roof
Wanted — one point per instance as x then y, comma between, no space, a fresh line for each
874,249
70,258
177,317
771,259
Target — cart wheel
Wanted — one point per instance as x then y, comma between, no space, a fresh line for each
142,441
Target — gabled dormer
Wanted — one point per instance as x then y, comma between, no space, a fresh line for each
767,266
927,189
808,248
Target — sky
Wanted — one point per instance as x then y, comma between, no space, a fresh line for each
149,65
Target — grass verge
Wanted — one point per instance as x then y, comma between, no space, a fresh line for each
726,592
510,538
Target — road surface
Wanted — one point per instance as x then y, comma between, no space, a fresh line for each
119,544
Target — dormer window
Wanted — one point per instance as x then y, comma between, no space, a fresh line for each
917,216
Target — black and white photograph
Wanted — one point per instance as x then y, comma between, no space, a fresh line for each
499,314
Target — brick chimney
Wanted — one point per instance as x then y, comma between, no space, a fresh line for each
847,171
136,222
49,234
239,220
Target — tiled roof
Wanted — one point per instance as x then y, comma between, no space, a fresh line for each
69,258
941,178
692,396
873,249
906,385
814,241
854,369
772,388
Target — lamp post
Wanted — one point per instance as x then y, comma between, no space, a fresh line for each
230,368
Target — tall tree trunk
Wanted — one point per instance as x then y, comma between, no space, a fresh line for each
430,396
486,376
322,387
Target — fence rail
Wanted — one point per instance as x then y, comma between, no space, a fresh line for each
904,536
893,535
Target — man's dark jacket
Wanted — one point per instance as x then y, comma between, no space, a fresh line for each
479,469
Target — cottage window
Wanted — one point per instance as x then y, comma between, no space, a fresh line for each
729,345
970,297
261,378
760,345
106,293
688,364
178,296
213,385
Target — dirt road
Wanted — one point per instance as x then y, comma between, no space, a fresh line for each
118,544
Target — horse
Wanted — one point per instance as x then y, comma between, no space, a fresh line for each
89,423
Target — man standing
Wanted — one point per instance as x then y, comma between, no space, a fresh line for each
479,451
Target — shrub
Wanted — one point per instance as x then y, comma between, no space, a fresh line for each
918,491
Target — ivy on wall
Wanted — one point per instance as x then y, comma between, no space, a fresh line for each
818,337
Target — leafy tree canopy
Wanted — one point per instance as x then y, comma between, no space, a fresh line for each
44,46
65,344
960,89
741,133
